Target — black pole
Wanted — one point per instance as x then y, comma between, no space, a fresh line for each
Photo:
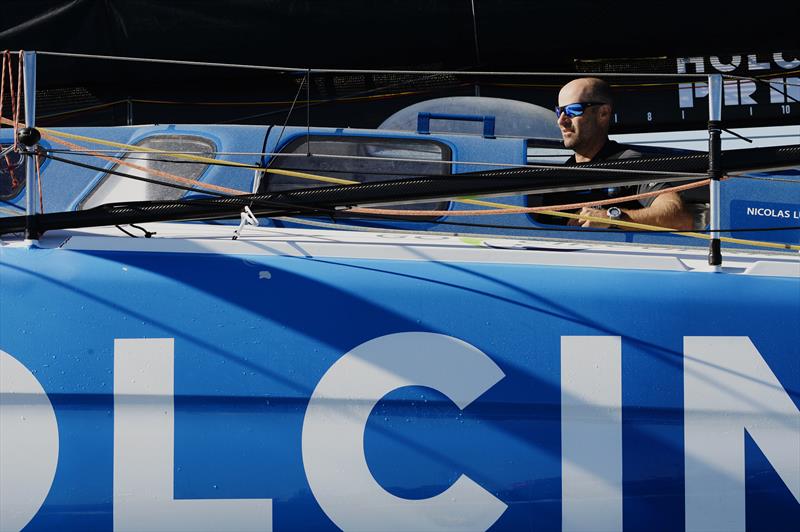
714,173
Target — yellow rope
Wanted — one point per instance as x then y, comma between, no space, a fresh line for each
313,177
196,158
130,147
634,225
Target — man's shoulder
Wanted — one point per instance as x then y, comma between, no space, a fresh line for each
614,150
618,150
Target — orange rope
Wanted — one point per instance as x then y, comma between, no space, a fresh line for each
39,181
151,171
3,83
529,210
122,162
18,96
6,60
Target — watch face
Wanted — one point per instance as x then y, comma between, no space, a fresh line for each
614,212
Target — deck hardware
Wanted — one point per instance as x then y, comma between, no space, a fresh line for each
247,218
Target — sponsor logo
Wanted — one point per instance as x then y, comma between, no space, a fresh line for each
728,390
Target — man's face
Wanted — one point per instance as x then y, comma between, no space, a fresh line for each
583,131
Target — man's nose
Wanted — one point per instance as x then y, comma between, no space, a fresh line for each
563,120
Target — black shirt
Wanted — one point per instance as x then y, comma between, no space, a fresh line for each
612,150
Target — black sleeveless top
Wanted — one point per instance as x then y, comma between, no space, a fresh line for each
612,150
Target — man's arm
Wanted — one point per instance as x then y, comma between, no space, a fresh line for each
667,210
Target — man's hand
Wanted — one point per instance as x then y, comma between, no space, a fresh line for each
667,211
596,213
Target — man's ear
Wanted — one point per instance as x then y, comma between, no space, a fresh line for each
605,113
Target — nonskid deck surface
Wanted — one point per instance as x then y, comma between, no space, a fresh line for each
316,243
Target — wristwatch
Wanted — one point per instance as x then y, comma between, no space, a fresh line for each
615,213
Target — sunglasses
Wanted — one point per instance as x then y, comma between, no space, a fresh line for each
575,109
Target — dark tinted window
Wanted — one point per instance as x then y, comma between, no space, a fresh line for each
359,159
12,173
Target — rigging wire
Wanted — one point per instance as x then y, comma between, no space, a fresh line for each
462,72
367,95
299,70
288,115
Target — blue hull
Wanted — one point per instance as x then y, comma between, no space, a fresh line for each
544,355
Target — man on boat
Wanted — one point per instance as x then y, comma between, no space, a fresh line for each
584,115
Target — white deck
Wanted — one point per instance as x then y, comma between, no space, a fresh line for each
258,241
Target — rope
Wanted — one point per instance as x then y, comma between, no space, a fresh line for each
348,99
503,208
50,134
172,61
6,60
18,97
3,82
151,171
39,182
53,135
621,223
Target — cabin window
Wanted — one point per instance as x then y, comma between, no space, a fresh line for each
12,173
359,159
112,188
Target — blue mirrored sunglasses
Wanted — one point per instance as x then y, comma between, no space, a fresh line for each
575,109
